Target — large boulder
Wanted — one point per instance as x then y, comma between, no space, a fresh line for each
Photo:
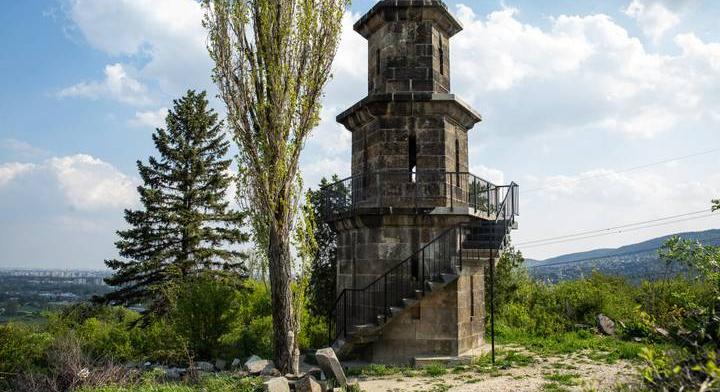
277,384
256,365
308,384
330,365
606,325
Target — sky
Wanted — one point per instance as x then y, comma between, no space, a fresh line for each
605,112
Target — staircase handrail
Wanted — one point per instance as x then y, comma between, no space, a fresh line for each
501,212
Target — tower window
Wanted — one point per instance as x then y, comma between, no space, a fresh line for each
457,162
412,155
472,297
377,62
442,59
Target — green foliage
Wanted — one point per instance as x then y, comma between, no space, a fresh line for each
22,348
251,330
185,225
203,310
110,333
272,62
693,323
317,243
434,370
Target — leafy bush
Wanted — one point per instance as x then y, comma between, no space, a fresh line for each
22,348
203,311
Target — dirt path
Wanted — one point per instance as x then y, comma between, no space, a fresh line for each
557,373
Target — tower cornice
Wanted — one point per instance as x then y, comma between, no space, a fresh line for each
399,10
411,104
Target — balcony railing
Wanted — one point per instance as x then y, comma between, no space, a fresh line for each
419,190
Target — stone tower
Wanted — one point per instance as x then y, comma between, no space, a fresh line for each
410,184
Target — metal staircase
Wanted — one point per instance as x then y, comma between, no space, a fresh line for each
359,315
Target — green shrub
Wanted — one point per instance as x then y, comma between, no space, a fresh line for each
250,333
434,370
22,348
203,311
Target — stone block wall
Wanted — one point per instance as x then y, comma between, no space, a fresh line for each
368,246
383,153
450,322
408,56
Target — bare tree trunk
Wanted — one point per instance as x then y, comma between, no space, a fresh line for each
280,282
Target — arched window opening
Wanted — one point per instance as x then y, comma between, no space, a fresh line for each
457,162
442,59
377,62
412,156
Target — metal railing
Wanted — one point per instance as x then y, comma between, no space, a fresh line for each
372,304
379,191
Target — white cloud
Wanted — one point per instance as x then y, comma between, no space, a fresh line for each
582,73
9,171
151,118
84,182
89,183
167,35
495,176
500,51
601,198
653,17
117,85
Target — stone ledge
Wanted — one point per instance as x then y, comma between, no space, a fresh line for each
417,104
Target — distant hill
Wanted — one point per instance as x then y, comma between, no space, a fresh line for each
635,262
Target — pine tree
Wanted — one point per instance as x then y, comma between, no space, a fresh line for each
185,226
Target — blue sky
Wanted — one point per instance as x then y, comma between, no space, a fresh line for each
572,94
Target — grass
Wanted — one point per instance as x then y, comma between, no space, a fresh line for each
215,383
554,387
434,370
567,379
598,348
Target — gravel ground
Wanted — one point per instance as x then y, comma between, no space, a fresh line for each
556,373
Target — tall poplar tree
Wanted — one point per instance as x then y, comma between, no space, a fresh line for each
272,61
185,226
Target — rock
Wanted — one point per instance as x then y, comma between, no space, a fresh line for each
315,372
173,374
330,365
662,331
147,365
205,366
220,364
277,384
236,363
582,326
308,384
607,326
256,365
271,371
241,373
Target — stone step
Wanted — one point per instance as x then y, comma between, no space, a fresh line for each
396,310
447,277
409,302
